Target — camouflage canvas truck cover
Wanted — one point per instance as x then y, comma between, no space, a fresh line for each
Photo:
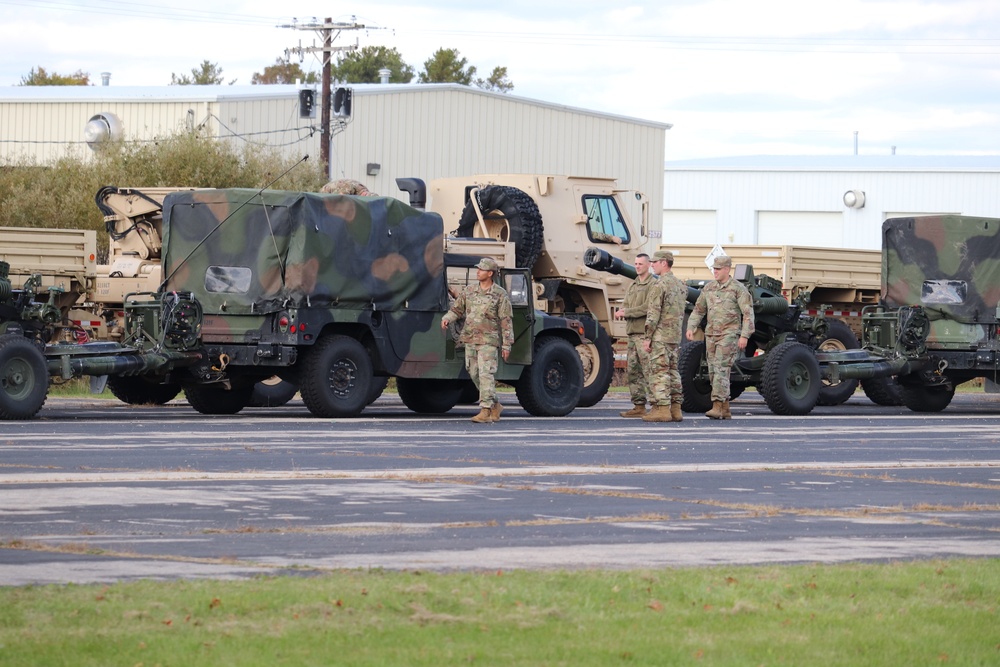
329,291
939,307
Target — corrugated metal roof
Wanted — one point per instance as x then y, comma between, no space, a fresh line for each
880,163
223,92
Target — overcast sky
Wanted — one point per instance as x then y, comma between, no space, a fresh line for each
734,77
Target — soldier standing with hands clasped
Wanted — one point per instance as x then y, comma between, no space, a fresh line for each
488,331
664,320
728,308
633,311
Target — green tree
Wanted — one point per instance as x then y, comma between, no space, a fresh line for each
283,71
40,77
363,66
206,75
447,66
497,81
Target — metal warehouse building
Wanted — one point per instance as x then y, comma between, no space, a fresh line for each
836,202
394,130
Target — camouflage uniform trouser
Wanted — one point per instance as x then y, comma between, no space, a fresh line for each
481,364
637,369
721,353
664,378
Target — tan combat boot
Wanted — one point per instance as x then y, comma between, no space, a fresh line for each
675,412
726,414
659,413
495,411
485,416
637,410
716,411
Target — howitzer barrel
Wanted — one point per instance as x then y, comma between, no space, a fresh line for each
122,364
602,260
770,305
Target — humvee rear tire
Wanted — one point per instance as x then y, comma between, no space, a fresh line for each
24,378
883,390
336,377
214,399
598,359
272,393
790,379
135,390
551,385
921,398
839,337
523,228
430,396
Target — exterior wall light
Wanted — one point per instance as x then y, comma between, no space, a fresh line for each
854,199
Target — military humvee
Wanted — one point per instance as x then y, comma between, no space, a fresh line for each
330,292
939,306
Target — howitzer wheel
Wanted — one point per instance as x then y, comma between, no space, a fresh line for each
336,377
430,396
695,384
24,378
135,390
551,385
379,383
214,399
598,359
510,215
883,390
839,337
790,379
923,398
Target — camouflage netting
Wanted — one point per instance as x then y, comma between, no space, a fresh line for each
949,264
244,251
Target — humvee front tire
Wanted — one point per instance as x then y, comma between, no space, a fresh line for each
510,215
24,378
839,337
598,359
923,398
551,385
134,390
213,399
790,379
430,396
336,377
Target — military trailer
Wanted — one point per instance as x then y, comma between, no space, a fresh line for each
940,305
327,291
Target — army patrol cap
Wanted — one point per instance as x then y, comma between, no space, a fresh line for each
722,261
663,254
487,264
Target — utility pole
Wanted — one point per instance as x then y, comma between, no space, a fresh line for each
326,30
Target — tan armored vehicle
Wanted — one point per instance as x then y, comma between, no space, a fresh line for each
552,220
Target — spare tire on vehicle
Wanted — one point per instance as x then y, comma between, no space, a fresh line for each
510,215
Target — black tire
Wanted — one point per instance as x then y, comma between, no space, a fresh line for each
379,383
551,385
921,398
24,378
470,393
135,390
790,379
499,203
272,393
336,377
214,399
697,390
838,337
598,359
883,390
429,396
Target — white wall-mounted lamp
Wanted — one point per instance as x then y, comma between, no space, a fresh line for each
854,199
373,168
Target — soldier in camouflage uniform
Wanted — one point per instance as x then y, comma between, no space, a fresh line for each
633,311
729,309
664,320
488,330
347,186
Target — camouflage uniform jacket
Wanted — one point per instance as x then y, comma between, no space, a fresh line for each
487,316
634,305
665,309
729,308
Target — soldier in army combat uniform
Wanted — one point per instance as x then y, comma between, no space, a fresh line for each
633,311
488,331
347,186
664,319
729,310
